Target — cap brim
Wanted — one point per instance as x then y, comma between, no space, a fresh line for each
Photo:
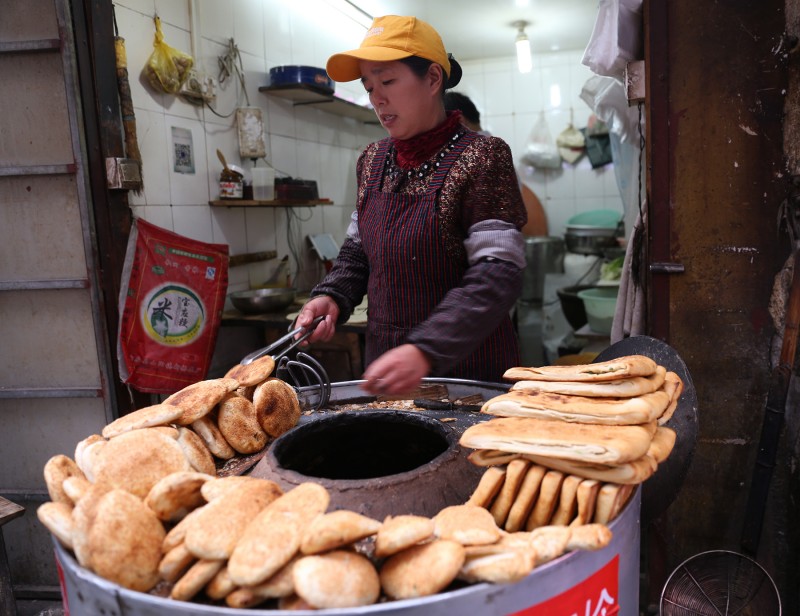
344,66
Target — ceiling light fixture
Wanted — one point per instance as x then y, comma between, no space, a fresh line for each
524,61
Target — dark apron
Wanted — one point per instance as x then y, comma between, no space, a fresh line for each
410,270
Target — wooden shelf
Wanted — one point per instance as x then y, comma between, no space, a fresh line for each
272,203
306,94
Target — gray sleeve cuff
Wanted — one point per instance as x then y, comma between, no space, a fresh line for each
496,239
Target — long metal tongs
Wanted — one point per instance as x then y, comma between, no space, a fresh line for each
288,338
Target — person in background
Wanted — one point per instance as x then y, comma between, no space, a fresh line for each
435,240
470,116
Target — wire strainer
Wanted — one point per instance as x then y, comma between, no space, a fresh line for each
720,583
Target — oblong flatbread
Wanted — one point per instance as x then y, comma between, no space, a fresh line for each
597,444
618,388
621,367
579,409
629,473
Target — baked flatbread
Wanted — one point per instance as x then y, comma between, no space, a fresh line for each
501,568
515,473
401,532
526,496
337,579
567,501
466,524
422,570
579,409
662,444
673,386
273,536
546,501
199,399
587,498
597,444
238,423
337,529
277,586
492,457
610,499
135,461
621,367
56,470
193,581
618,388
257,371
589,537
147,417
489,485
633,472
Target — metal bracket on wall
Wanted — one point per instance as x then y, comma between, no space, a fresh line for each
667,268
123,173
635,82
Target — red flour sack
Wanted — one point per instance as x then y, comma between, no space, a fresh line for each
171,303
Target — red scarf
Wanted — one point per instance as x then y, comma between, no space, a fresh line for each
415,151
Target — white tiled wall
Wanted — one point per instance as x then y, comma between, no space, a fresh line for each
310,143
510,104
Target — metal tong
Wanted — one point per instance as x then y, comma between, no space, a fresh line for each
290,337
305,372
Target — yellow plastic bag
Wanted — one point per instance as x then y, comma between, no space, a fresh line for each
167,68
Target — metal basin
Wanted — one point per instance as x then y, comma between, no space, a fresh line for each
260,301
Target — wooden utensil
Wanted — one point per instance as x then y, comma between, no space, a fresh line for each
222,160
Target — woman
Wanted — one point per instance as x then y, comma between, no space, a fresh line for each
434,241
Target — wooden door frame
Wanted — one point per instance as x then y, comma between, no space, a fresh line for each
93,24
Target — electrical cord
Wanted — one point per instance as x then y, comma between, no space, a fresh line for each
292,237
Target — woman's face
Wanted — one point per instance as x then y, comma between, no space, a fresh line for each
405,104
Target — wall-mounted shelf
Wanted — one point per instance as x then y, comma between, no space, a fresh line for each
306,94
271,203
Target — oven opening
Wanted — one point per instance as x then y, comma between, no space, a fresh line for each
362,445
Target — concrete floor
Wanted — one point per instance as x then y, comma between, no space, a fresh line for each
39,607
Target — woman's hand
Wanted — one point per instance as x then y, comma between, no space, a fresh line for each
397,371
322,305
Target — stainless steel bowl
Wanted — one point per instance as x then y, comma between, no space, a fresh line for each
259,301
588,240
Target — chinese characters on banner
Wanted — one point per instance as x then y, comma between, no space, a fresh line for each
595,596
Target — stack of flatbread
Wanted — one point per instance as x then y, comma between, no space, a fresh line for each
602,421
243,541
524,496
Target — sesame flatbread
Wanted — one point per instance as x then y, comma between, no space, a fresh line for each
199,399
597,444
617,388
579,409
257,371
622,367
147,417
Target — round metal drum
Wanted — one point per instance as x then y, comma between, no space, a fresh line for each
605,581
576,583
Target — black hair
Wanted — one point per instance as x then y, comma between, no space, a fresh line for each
456,101
419,66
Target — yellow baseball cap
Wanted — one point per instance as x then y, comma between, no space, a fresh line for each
391,37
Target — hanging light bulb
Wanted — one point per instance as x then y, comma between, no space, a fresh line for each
524,62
